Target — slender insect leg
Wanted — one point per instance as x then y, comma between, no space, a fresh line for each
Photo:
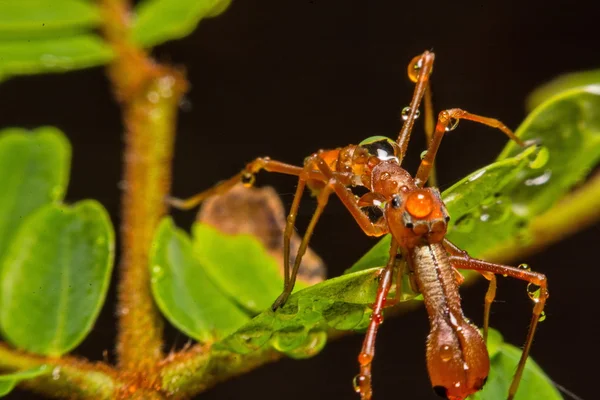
322,200
419,70
447,121
429,124
539,296
490,295
289,230
362,383
246,176
335,182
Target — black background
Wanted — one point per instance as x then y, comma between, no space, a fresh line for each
285,78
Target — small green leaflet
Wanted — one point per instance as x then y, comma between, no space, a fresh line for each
55,276
9,381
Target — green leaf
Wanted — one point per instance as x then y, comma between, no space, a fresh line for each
568,128
562,84
34,171
158,21
239,265
28,19
60,54
534,383
299,327
482,202
55,276
9,381
184,292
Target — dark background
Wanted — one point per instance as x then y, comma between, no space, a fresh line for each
285,78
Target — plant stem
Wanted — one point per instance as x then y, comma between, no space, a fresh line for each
68,377
149,94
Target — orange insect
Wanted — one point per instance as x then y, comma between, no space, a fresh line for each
416,217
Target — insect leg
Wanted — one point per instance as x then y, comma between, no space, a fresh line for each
537,290
419,70
335,182
322,199
429,124
362,383
447,121
245,176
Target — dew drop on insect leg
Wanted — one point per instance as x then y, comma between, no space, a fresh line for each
247,179
524,267
453,123
358,382
406,112
542,317
533,291
446,353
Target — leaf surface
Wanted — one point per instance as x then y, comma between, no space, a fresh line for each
55,276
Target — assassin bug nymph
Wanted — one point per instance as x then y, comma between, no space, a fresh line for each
416,218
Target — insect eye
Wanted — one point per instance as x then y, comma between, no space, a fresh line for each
380,146
441,391
396,201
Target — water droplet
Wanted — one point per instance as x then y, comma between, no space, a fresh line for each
314,343
457,384
153,97
247,179
466,366
165,86
495,209
377,318
359,381
534,292
539,180
524,267
542,317
157,273
452,124
446,353
465,223
56,373
476,175
541,158
385,176
406,111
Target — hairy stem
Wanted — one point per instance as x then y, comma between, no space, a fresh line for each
149,95
68,377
